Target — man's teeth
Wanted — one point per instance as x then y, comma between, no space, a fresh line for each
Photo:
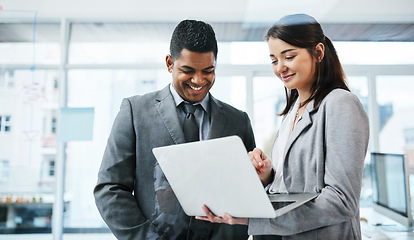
196,88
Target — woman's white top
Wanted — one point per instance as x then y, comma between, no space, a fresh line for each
278,185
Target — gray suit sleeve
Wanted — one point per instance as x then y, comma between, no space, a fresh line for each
345,135
113,192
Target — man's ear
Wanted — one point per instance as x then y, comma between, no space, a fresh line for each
319,51
169,62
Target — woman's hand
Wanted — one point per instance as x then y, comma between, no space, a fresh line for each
223,219
262,164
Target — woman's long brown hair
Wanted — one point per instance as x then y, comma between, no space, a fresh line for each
304,31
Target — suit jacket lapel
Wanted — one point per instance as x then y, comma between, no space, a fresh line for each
166,108
299,127
218,119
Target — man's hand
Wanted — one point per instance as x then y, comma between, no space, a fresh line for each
223,219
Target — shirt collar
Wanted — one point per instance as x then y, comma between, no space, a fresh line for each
178,99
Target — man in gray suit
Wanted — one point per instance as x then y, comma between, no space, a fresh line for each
132,193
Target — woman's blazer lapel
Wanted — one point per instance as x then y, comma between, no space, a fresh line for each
303,124
299,127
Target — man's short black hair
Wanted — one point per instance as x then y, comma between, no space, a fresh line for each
195,36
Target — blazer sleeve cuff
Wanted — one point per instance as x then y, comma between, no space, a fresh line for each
272,173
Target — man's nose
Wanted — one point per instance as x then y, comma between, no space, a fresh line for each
198,78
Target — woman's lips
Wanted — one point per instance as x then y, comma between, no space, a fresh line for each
287,77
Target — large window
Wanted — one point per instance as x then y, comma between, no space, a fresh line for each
396,110
103,67
5,123
103,90
4,171
231,90
25,194
268,101
29,54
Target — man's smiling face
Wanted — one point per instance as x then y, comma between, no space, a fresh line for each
193,74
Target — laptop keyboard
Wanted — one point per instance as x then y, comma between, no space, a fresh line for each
277,205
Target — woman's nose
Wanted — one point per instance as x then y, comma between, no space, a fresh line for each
281,68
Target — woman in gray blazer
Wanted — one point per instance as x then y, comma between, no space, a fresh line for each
321,144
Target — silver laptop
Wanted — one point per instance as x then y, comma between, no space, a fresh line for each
218,173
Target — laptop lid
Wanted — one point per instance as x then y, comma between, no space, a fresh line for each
217,173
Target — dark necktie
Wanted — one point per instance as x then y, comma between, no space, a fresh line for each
190,126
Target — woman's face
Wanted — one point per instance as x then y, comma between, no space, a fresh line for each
293,65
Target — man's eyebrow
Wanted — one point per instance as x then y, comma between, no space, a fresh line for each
190,68
207,68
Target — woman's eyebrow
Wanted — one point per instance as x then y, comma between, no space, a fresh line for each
284,51
287,50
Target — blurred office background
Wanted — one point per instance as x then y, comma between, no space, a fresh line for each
91,54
